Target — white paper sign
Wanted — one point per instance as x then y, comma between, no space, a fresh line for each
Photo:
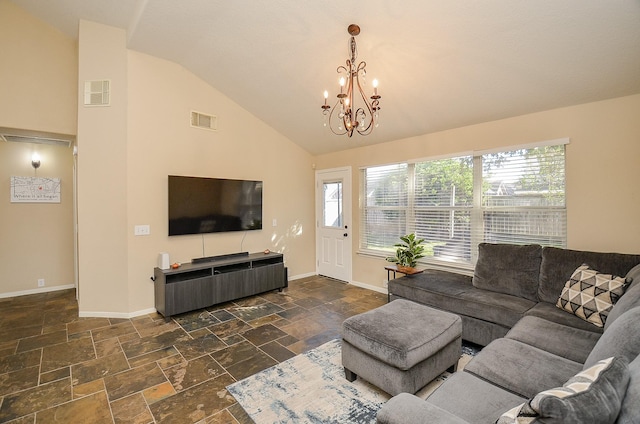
35,190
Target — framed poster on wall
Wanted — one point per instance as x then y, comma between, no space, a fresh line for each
35,190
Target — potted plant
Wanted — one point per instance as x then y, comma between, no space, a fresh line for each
407,252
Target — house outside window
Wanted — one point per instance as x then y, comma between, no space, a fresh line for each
510,196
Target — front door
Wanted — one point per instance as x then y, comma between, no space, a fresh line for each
333,223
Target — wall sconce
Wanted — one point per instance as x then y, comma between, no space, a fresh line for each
35,161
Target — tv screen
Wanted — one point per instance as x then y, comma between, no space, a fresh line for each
200,205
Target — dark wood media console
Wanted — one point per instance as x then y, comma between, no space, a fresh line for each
217,280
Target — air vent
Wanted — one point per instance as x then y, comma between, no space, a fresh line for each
27,136
201,120
96,93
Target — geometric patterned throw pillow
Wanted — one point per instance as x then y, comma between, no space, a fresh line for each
593,395
590,294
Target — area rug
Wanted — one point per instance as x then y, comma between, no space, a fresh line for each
311,388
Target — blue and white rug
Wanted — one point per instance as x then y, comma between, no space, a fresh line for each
309,388
312,388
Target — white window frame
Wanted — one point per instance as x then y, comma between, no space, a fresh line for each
477,210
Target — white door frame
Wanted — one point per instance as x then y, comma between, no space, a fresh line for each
343,174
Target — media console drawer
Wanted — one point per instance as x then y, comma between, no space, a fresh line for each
202,284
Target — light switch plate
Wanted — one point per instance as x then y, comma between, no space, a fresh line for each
141,230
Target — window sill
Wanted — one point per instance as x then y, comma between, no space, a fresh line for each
428,263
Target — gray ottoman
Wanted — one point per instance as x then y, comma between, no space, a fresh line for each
401,346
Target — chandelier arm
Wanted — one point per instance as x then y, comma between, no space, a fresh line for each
331,118
369,119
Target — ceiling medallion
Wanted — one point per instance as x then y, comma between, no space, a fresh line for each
346,116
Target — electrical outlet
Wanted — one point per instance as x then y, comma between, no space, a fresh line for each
385,284
40,282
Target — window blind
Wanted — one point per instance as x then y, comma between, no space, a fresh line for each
514,196
385,198
523,196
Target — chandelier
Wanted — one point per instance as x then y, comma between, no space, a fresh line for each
345,116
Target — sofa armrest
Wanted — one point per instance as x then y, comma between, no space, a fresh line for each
406,408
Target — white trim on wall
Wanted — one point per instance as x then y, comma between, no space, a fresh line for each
378,289
123,315
37,291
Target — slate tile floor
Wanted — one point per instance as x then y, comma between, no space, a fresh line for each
58,368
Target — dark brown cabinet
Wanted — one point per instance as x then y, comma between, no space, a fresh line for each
199,285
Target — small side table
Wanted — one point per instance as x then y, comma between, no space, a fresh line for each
394,269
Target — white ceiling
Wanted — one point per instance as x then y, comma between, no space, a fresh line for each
441,64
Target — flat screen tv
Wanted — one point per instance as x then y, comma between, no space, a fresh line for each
200,205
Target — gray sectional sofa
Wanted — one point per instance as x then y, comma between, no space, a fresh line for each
531,345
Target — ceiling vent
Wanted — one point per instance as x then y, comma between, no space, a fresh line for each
39,137
202,120
97,93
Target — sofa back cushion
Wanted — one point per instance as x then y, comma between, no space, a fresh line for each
509,269
620,339
559,264
629,300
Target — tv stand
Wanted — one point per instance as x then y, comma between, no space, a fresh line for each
218,257
218,279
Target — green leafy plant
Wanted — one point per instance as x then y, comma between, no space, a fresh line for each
408,251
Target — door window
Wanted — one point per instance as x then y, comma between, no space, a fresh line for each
332,204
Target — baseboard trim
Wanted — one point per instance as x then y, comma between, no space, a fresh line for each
299,276
378,289
124,315
37,291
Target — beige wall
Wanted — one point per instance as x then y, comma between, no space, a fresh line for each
602,169
102,174
38,90
36,238
126,152
38,74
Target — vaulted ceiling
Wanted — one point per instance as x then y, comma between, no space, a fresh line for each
441,64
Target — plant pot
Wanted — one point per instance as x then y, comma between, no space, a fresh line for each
405,269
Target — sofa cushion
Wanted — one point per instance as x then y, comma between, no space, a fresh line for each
455,293
630,410
622,339
472,398
569,342
633,274
521,368
593,395
407,408
551,312
590,294
509,269
629,300
558,265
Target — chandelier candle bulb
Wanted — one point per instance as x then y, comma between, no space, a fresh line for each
325,107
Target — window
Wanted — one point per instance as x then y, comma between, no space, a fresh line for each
514,196
332,204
